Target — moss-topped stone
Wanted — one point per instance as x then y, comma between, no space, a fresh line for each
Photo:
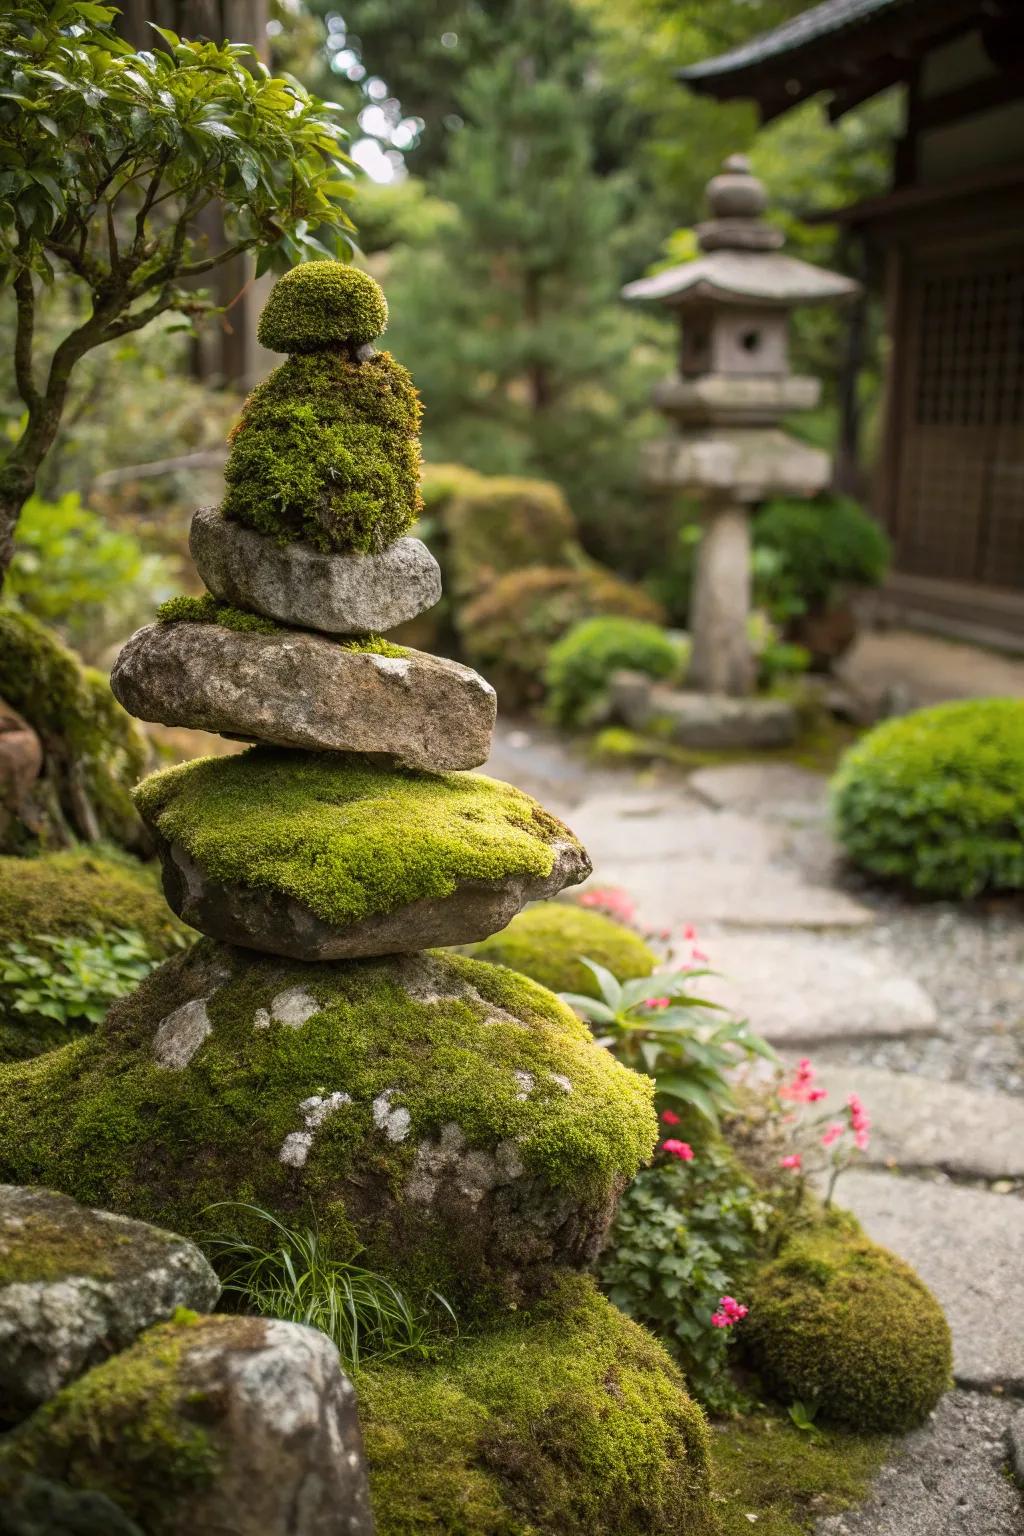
294,584
78,1284
322,856
205,1424
454,1120
292,688
570,1421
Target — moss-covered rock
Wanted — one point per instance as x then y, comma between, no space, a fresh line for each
320,855
94,751
840,1323
452,1117
509,630
205,1424
319,303
327,450
549,941
571,1421
500,523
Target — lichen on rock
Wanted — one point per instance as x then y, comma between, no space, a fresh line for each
429,1158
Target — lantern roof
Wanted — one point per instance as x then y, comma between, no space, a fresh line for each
741,261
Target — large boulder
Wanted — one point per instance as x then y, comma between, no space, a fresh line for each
453,1119
297,584
76,1285
206,1424
324,857
291,688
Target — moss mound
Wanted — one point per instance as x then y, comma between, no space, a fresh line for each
581,665
327,450
546,942
570,1422
94,751
484,1136
509,630
501,523
935,800
842,1323
343,836
319,303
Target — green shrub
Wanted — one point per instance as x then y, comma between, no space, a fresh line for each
820,546
93,749
935,800
848,1329
508,631
546,941
500,523
319,303
580,666
567,1421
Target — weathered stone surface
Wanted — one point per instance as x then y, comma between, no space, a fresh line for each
722,661
702,720
968,1246
777,791
76,1285
800,989
21,756
279,925
1015,1436
296,584
296,689
237,1424
920,1122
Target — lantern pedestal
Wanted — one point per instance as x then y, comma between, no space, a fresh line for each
722,660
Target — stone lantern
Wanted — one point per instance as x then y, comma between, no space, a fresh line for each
732,388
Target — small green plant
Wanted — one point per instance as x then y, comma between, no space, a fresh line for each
814,549
684,1231
581,665
661,1026
72,980
290,1274
802,1415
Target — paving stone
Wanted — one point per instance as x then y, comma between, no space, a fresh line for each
919,1122
780,791
968,1245
800,989
945,1479
1015,1441
669,826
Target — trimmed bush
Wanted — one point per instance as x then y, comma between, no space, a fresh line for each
935,800
509,630
838,1322
500,523
571,1421
546,941
821,546
580,666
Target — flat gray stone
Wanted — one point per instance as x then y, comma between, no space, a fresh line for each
295,584
702,720
658,826
968,1246
945,1479
780,791
77,1285
802,989
920,1122
296,689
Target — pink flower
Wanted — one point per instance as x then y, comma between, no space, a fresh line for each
801,1089
719,1320
610,899
669,1117
816,1095
680,1149
657,1002
729,1311
833,1133
794,1160
689,933
861,1140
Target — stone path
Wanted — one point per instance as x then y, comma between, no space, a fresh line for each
919,1009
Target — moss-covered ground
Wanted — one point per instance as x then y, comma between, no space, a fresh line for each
346,837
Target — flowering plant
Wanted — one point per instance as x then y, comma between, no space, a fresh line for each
840,1134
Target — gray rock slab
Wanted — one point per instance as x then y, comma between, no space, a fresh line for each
270,921
968,1246
666,825
1015,1440
750,895
945,1479
296,689
920,1122
77,1285
706,721
295,584
777,790
801,989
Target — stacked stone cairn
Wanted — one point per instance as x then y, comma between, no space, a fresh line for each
449,1121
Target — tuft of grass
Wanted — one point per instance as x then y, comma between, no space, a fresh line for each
290,1274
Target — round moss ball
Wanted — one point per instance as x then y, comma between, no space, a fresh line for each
842,1323
935,800
321,303
570,1421
581,665
548,942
